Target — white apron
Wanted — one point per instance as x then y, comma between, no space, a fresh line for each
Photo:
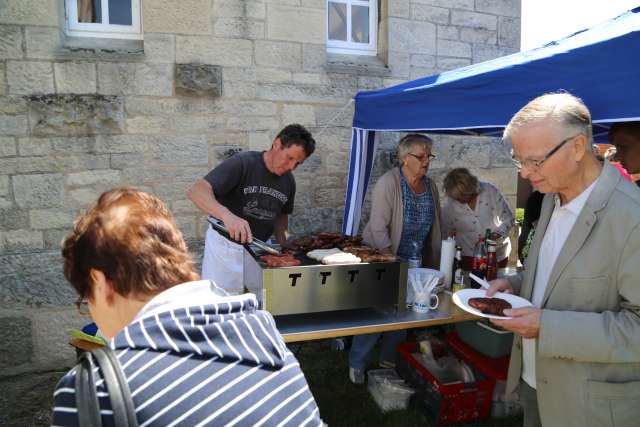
223,262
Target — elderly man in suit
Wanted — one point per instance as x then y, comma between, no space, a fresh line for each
576,356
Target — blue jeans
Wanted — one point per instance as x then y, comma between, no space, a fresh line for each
363,344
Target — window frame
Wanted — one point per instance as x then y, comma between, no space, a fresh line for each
103,30
349,47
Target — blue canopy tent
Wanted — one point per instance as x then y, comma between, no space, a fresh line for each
601,65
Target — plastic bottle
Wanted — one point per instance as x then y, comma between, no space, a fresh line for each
479,262
492,261
458,273
415,260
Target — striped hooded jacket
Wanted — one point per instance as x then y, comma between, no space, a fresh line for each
195,357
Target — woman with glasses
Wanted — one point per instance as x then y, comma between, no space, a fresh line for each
404,221
471,208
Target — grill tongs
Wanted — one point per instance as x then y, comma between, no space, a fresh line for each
220,228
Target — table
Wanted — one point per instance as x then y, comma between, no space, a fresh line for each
314,326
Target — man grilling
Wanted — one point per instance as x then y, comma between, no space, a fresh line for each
252,193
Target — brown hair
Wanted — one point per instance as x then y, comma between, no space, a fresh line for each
131,237
461,185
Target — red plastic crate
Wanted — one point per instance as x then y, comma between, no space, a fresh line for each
494,368
446,404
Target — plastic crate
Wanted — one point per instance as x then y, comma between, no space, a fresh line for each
485,338
446,404
388,390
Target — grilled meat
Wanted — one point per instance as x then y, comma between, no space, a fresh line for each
494,306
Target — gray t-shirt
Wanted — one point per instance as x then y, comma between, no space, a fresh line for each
244,185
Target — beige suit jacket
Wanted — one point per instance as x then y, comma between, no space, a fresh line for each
588,349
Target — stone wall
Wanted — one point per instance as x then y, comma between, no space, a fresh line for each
212,77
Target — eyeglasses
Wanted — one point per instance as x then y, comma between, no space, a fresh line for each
82,304
535,164
427,157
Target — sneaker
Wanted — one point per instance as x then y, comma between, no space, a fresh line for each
386,364
356,375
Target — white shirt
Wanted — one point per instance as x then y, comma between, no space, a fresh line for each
492,212
562,221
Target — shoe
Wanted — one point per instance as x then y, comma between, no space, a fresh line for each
356,375
338,344
386,364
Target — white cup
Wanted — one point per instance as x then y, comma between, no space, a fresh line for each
424,301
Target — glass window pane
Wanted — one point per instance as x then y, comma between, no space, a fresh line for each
120,12
89,11
360,24
337,21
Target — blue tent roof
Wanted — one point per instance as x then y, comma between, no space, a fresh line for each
601,65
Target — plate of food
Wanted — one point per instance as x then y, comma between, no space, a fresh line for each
475,301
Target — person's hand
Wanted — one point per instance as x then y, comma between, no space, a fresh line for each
525,321
499,285
238,228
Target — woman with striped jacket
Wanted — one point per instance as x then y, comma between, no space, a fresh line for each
191,354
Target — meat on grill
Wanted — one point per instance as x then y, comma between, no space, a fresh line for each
284,260
494,306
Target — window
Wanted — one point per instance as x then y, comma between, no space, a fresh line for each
351,26
117,19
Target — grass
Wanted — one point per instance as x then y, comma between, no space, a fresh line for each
342,403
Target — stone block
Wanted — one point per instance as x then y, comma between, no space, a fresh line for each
34,147
7,147
501,154
16,335
400,64
278,54
398,8
4,185
411,36
12,105
13,125
102,177
10,42
208,50
183,17
259,141
506,179
187,124
454,48
419,72
445,64
187,225
50,336
250,108
448,32
42,219
33,279
245,90
369,83
121,144
509,32
239,74
424,61
473,153
224,152
61,163
13,219
483,53
337,120
29,12
296,113
76,115
273,75
316,4
199,80
43,42
183,207
304,93
241,28
135,79
328,197
474,20
75,77
148,125
309,78
499,7
53,238
307,220
28,78
69,145
182,150
239,9
38,191
314,56
82,197
159,47
478,35
295,24
149,176
451,4
3,86
23,240
255,123
438,15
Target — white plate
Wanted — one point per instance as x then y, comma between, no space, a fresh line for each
461,298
